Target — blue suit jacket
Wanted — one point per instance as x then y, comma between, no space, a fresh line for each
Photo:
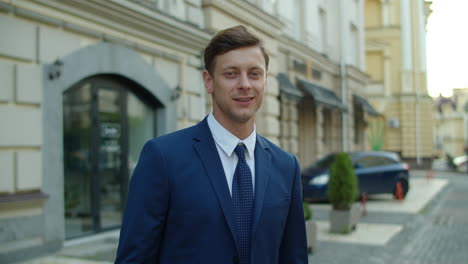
179,206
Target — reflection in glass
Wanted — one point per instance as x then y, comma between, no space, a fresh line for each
77,165
105,127
110,172
140,128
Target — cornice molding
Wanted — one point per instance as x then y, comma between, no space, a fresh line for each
383,32
376,44
357,75
300,50
137,21
402,98
247,13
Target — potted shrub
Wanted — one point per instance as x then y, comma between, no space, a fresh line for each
342,194
311,229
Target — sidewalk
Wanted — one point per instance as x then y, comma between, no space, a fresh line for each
97,249
431,230
420,194
391,231
444,236
64,260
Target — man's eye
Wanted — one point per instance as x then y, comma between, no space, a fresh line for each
256,74
230,74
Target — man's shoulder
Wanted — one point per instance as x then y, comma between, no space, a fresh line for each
281,160
176,137
273,148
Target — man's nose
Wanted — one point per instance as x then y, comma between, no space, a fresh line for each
244,81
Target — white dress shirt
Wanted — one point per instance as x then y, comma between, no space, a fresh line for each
226,142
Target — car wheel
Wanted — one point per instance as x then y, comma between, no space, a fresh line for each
401,189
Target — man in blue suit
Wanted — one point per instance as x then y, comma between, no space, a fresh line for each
218,192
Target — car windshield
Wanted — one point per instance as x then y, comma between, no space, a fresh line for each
325,162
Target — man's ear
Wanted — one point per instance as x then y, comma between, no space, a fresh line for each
208,81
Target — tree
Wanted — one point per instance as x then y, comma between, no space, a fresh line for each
343,184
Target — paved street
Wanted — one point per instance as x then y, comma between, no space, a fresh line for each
444,236
429,227
434,233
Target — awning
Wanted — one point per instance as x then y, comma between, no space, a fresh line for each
366,105
322,95
287,87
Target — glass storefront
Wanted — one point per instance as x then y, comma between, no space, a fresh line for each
105,126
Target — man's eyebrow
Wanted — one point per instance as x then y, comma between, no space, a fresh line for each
257,68
253,67
230,67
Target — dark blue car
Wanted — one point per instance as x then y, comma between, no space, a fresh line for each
377,171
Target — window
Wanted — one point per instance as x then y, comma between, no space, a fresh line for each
358,124
367,162
323,30
297,19
375,65
374,161
373,13
325,162
354,46
105,124
327,125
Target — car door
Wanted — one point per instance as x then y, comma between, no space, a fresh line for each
390,169
370,177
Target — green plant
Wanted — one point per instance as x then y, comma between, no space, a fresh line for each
346,230
343,184
307,211
376,134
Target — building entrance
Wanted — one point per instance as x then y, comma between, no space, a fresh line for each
105,123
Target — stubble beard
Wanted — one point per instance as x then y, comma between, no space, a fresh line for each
240,117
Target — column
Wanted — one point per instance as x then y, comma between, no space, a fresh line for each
406,54
319,131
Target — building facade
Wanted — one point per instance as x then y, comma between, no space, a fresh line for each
451,124
396,63
86,83
320,73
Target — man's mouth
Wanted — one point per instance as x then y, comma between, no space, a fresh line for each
246,99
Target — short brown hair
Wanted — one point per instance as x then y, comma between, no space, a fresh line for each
230,39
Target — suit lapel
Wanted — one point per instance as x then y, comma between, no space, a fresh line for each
206,149
262,175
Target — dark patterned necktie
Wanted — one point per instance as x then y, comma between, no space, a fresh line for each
243,201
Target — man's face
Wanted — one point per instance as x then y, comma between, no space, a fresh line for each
237,85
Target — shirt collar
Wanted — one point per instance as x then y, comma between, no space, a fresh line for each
227,141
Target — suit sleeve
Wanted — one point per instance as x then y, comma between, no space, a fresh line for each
293,248
146,209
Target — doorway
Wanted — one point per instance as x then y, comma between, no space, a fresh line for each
106,121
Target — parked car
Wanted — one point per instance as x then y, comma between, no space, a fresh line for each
377,171
460,163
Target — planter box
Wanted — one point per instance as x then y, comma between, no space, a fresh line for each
311,233
345,221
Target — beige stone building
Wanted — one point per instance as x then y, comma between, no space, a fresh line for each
317,56
85,83
451,124
396,63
